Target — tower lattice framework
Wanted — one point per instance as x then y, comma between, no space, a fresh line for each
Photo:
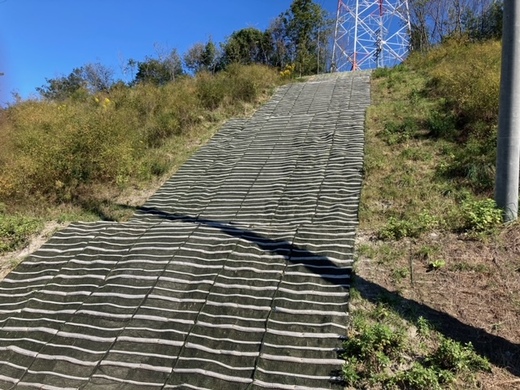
371,34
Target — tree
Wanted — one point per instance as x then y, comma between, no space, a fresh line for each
210,56
435,20
202,57
158,71
193,57
63,87
91,78
307,31
98,77
247,46
280,55
488,25
420,29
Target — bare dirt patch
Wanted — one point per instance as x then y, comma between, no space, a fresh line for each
9,260
469,290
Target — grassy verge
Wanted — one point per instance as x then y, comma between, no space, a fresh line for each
89,157
383,350
15,231
432,251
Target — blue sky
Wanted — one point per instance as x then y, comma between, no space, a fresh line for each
48,38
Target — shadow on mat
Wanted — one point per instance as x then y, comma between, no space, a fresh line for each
498,350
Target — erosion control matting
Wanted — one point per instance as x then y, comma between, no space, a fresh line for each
234,275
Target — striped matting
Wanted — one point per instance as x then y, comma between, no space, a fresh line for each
234,275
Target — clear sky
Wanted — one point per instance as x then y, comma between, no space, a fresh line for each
42,39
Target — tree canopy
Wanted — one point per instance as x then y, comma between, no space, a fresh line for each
92,78
308,31
159,71
301,36
433,21
247,46
202,57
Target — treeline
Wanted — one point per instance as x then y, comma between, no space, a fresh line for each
434,21
298,37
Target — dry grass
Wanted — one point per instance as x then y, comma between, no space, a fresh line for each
91,156
57,151
463,281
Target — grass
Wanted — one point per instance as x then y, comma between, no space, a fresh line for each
427,142
429,174
385,351
84,157
429,232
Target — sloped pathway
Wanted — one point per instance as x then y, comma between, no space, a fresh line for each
234,275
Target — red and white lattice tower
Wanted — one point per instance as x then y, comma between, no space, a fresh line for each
370,34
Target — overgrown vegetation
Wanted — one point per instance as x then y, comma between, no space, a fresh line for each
437,116
87,148
16,229
426,202
385,351
91,137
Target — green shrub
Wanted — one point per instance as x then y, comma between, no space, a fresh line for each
248,83
377,338
211,90
473,163
464,80
381,352
350,370
442,125
371,349
61,147
61,152
395,229
15,231
418,377
480,215
456,357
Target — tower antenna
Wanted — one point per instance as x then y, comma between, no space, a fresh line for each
370,34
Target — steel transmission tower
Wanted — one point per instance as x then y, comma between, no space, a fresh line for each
370,34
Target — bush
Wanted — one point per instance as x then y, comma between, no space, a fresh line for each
455,357
248,83
442,125
469,79
59,152
15,231
211,90
464,79
395,229
60,147
480,215
473,164
381,353
236,85
418,377
370,350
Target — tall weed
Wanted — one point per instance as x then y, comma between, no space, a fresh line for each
465,79
469,79
58,152
59,147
